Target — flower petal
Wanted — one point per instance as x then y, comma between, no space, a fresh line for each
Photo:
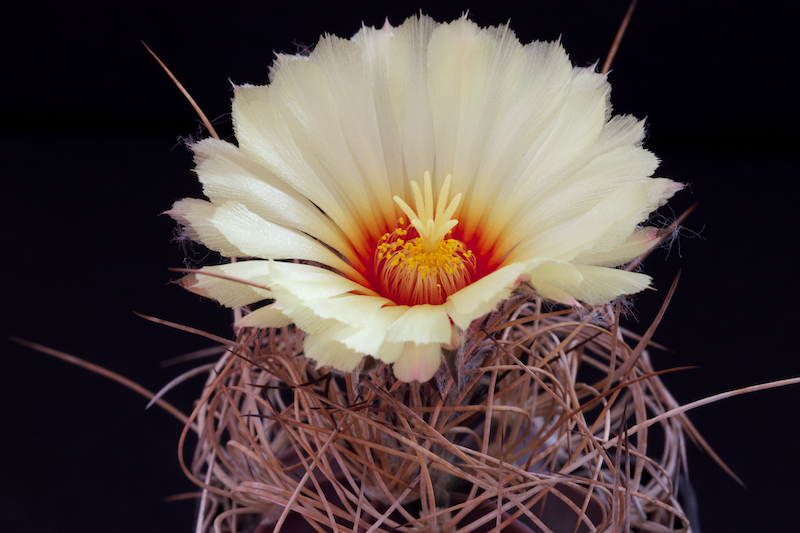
640,242
328,352
601,285
232,290
569,136
342,63
421,324
227,174
482,297
195,217
317,299
583,188
264,135
604,226
565,283
351,309
418,362
540,89
256,237
370,338
302,93
268,316
407,82
555,280
309,282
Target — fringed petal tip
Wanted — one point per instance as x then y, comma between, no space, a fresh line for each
190,283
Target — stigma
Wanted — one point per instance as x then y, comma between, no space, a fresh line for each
420,263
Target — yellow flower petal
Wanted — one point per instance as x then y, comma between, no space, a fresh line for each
612,220
396,65
342,65
303,95
227,174
195,217
317,299
571,134
350,309
256,237
418,362
611,167
328,352
264,135
370,338
640,242
309,282
482,297
422,324
601,285
540,87
268,316
232,290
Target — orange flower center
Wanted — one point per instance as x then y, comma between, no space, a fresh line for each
428,268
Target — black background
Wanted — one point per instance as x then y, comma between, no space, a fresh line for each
90,156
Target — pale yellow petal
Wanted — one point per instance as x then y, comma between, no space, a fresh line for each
572,236
445,58
195,217
228,174
256,237
308,295
370,338
578,192
638,243
539,92
351,309
418,362
310,282
422,324
395,61
482,297
570,134
303,317
601,285
475,76
407,88
263,134
328,352
302,94
348,80
243,283
555,280
268,316
557,295
604,226
566,283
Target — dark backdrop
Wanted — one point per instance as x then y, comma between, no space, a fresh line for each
91,155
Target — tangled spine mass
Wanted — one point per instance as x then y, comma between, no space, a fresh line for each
528,422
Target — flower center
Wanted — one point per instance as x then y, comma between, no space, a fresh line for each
428,268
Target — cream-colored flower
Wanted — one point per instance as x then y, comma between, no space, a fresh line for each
419,174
